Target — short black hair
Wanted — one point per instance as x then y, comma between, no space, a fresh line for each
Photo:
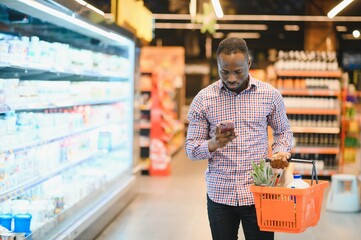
232,45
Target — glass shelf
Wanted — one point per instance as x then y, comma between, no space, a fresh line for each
28,71
37,143
33,105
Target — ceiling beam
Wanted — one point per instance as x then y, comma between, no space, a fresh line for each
276,18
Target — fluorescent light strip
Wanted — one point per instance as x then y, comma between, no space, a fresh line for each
217,8
249,35
91,7
341,28
218,35
95,9
193,8
75,21
178,26
338,8
260,27
262,18
293,28
81,2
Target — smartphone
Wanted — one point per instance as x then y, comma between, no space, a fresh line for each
225,126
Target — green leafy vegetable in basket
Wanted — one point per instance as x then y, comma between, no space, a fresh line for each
262,174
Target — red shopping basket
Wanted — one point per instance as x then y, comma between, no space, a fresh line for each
289,210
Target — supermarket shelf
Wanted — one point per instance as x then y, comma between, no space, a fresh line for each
29,71
300,73
318,150
170,136
355,118
36,143
4,108
358,93
137,168
33,105
309,92
355,93
174,149
329,130
145,125
353,134
143,72
324,172
313,111
21,188
351,147
145,89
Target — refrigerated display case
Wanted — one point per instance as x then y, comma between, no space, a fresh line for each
66,121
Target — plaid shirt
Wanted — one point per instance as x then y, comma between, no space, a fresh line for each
252,111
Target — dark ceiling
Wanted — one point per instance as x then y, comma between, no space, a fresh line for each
268,7
275,36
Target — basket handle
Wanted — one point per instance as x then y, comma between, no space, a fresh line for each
313,162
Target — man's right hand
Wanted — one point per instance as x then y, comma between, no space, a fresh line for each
220,140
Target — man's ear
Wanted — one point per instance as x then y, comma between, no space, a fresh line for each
249,62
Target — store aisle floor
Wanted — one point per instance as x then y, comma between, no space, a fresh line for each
174,208
166,208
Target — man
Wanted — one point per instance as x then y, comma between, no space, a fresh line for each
253,106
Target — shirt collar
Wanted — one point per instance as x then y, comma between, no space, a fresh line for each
251,84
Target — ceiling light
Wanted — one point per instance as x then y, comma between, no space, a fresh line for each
338,8
218,35
341,28
217,8
294,28
249,35
356,33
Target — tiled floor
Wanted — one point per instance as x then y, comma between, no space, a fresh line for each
174,208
